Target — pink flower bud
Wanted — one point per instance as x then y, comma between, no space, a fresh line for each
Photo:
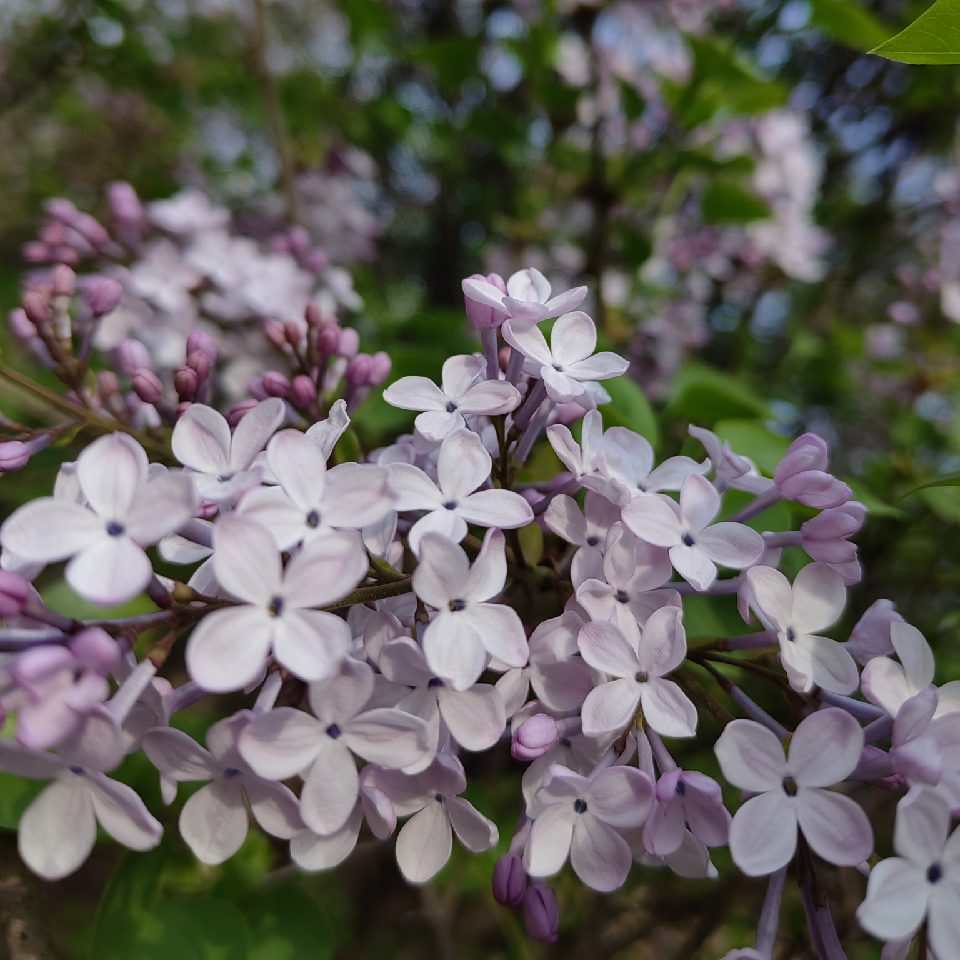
65,254
358,370
255,388
328,337
147,386
534,737
124,202
21,326
801,475
109,383
64,281
14,455
199,363
182,408
186,383
239,410
482,315
824,536
509,880
14,593
303,392
280,245
274,332
317,261
96,650
35,252
541,913
60,208
132,356
91,230
299,240
36,307
292,334
807,452
201,342
312,315
275,384
379,369
103,296
503,357
349,343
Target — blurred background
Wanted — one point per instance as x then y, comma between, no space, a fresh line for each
768,221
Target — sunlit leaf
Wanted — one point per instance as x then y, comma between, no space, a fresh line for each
933,38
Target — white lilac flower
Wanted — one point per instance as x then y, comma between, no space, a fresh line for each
627,458
58,830
467,628
311,500
455,500
460,394
587,530
127,511
569,360
213,821
824,751
229,648
696,545
286,742
797,614
580,817
686,797
581,458
638,669
922,882
925,748
222,465
527,296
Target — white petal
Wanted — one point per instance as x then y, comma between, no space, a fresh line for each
424,844
923,822
415,393
763,835
751,756
214,822
896,900
162,506
601,366
564,518
254,430
529,284
28,763
201,440
310,851
342,696
825,748
310,643
699,503
943,921
620,796
476,717
605,648
835,826
574,337
274,806
459,373
884,683
437,425
496,508
111,471
693,565
818,598
832,666
500,630
330,789
110,571
57,831
414,489
273,509
489,571
174,753
654,518
463,464
561,388
473,829
447,524
731,544
526,336
663,642
667,708
454,650
46,530
299,466
122,814
550,839
281,743
357,494
228,648
490,398
246,560
914,653
610,707
441,575
772,593
600,857
387,737
326,433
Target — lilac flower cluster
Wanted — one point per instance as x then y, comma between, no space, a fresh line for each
371,611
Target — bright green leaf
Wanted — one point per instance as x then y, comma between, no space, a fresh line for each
704,395
946,480
933,38
288,924
728,203
629,408
870,500
751,439
16,794
848,23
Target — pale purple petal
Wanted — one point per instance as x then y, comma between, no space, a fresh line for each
357,495
473,829
402,661
447,524
46,530
415,393
654,519
529,284
620,796
922,825
476,717
459,373
699,503
751,756
664,829
28,763
896,900
442,573
943,921
772,593
550,839
110,472
574,338
229,647
490,398
389,738
564,518
483,292
122,813
342,696
763,834
274,806
326,433
273,509
109,571
330,789
201,440
281,743
57,831
605,648
161,507
496,508
310,851
825,748
299,466
835,826
500,631
600,857
254,430
424,843
327,569
526,336
914,653
174,753
610,707
693,565
246,560
561,388
663,642
731,544
569,300
672,472
437,425
463,464
454,650
489,571
214,822
884,683
310,643
832,666
413,488
667,708
818,598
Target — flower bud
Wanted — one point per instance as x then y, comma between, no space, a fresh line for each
239,410
312,315
274,332
379,369
801,475
124,202
503,357
36,307
534,737
103,296
14,593
824,536
147,386
349,343
109,383
201,342
303,392
64,281
60,208
509,880
275,384
132,356
22,328
482,315
358,370
292,334
328,337
96,650
14,455
186,383
870,636
182,408
317,261
90,229
299,240
35,252
199,363
256,390
541,913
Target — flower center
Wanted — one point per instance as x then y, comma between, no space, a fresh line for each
434,683
275,607
451,407
457,605
592,541
622,596
225,477
78,771
791,634
450,505
790,786
681,788
230,773
934,873
334,732
558,368
565,742
115,529
687,540
579,806
642,676
439,797
313,519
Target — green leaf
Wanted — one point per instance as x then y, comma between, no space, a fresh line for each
728,203
870,500
704,395
288,924
848,23
630,408
16,794
753,440
934,37
946,480
215,927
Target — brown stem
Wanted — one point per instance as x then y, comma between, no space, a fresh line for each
692,687
23,927
378,591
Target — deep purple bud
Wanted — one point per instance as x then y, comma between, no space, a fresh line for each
186,383
482,315
275,384
21,326
147,386
534,737
358,370
132,356
312,315
379,369
328,337
274,332
14,592
541,913
35,306
349,343
509,880
303,391
198,341
292,333
64,281
96,650
239,410
14,455
103,296
199,363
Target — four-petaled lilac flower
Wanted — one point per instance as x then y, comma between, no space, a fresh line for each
824,750
889,684
467,628
796,614
581,817
696,546
229,648
460,394
587,530
639,673
213,821
127,512
286,742
454,501
527,296
222,466
627,458
569,361
686,796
